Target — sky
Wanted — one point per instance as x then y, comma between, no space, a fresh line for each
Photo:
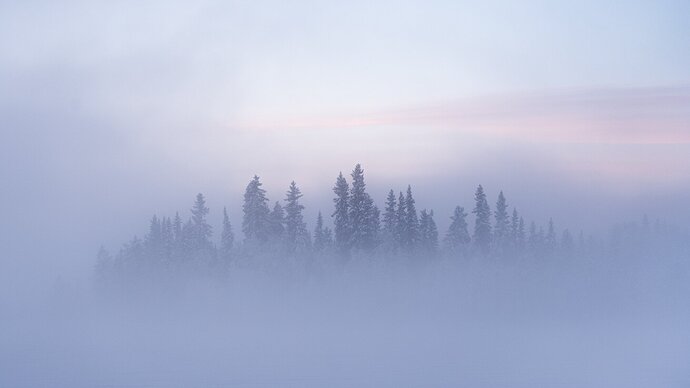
113,111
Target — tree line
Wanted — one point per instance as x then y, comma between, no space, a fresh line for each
360,229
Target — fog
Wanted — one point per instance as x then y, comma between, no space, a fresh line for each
569,324
114,117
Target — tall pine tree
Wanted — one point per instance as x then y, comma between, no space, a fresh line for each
502,224
362,213
482,225
255,222
411,238
458,237
201,231
227,238
341,215
296,235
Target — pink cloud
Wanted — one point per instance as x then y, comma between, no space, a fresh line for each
630,116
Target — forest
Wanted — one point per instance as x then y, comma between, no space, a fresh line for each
277,239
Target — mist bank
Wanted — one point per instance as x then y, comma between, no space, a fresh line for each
570,322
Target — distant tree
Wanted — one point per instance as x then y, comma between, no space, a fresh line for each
168,237
328,238
154,239
319,235
428,232
276,221
458,237
567,243
401,230
514,229
501,235
341,215
227,237
389,224
362,213
551,242
411,238
255,222
482,225
201,230
177,229
297,237
374,225
521,236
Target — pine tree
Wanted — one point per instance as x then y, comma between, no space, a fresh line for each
411,238
423,228
178,246
276,220
428,233
401,223
153,242
362,213
154,238
201,230
389,224
374,226
328,238
482,225
551,241
432,233
177,228
168,238
502,224
341,215
514,229
255,222
227,237
297,237
457,236
520,241
319,235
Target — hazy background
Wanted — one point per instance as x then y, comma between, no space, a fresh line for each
113,111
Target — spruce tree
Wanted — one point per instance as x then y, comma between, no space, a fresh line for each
389,224
411,238
551,241
362,213
502,224
319,235
428,233
177,228
276,220
255,222
458,236
297,237
520,240
342,228
154,238
482,225
514,229
401,223
227,237
168,237
201,230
